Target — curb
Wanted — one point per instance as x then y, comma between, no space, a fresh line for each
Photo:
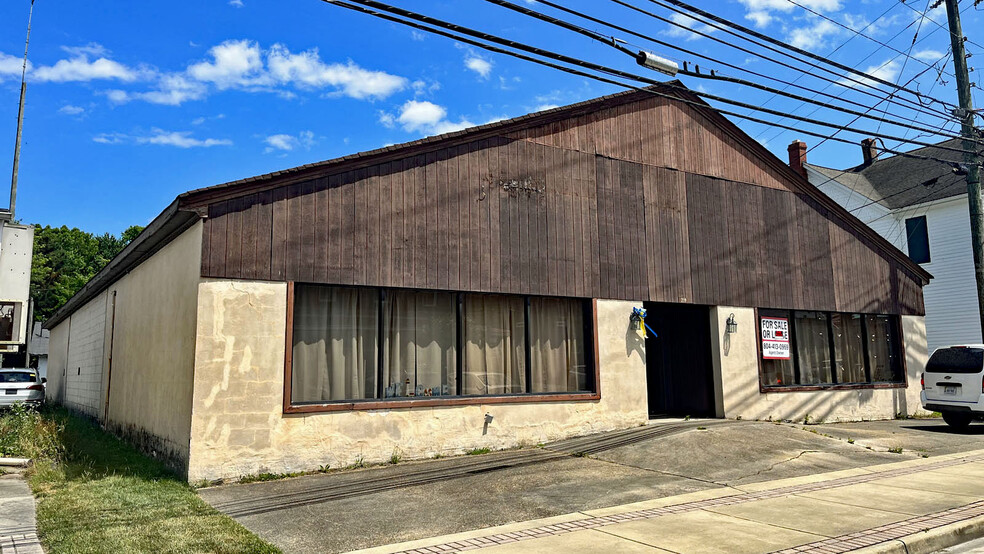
931,540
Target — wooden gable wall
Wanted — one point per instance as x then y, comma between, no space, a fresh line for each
567,209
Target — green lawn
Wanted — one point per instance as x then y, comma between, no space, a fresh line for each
98,494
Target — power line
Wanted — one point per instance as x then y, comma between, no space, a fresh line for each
360,5
785,46
709,76
858,33
601,68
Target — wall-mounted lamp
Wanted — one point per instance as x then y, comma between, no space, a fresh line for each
731,326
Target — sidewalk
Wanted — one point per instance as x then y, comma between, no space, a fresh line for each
18,530
912,506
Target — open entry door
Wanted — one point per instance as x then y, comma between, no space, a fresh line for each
679,366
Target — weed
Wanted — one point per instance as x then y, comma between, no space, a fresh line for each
359,463
702,428
395,457
686,418
580,454
850,441
478,451
895,450
438,456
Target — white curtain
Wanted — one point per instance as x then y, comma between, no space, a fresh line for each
419,344
557,345
335,347
494,338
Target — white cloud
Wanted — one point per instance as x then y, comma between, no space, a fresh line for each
91,49
428,118
236,3
198,121
235,63
760,12
305,69
544,107
929,55
284,142
887,71
80,68
10,66
180,139
479,65
812,36
69,109
416,35
173,90
689,25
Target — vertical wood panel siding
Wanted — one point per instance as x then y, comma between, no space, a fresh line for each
614,204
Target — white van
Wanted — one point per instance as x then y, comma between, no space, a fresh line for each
953,384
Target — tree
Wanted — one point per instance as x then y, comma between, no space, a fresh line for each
66,259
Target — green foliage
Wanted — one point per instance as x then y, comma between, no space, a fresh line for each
478,451
65,259
25,433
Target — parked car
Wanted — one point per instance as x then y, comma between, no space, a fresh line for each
21,385
953,384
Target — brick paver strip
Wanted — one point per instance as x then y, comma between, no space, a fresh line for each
837,544
892,531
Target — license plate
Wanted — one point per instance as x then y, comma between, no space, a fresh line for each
11,391
950,390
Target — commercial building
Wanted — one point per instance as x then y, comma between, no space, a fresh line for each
482,289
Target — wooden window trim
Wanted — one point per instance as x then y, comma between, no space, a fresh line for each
382,404
763,389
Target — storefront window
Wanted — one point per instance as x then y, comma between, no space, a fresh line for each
494,336
419,344
6,321
812,347
336,333
383,344
557,350
883,346
848,347
828,349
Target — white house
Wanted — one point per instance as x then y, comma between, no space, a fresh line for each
920,206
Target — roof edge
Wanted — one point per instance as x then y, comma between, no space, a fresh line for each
167,225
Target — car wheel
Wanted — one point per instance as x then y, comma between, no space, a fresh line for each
957,420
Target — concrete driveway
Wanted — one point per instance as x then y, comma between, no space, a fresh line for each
348,510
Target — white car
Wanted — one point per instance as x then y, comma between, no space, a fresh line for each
953,384
21,385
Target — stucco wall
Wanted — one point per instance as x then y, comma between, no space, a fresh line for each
86,362
153,348
238,426
736,363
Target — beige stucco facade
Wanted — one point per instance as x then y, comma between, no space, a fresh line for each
238,425
135,342
737,374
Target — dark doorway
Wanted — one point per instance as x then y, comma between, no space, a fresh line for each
679,367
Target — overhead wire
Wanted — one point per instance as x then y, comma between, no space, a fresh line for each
604,69
679,6
371,6
716,76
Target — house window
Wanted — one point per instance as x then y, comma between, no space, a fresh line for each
6,321
831,349
367,344
917,237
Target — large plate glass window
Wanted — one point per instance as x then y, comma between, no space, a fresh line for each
848,347
812,347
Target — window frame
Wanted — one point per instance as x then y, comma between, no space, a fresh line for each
763,388
921,224
591,340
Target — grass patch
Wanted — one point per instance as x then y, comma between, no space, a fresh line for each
97,493
478,451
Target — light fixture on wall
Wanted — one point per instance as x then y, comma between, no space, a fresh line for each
731,326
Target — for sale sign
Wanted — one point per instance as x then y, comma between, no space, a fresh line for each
775,338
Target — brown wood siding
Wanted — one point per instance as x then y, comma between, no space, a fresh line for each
566,210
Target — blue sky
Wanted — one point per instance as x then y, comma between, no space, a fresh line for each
130,104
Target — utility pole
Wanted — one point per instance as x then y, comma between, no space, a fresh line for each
20,117
966,115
